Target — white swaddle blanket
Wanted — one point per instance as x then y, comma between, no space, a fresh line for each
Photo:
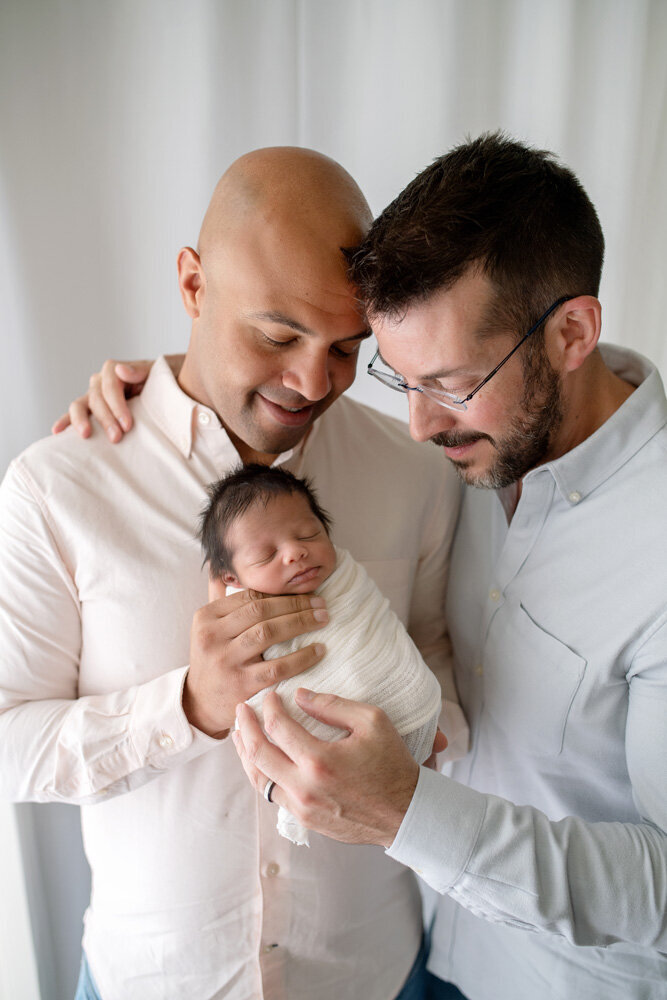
369,657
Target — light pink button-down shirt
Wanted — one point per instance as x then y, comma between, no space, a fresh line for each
195,896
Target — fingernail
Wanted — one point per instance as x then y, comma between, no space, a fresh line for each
305,694
124,423
113,434
319,649
321,615
317,602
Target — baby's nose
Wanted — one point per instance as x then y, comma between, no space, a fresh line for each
294,551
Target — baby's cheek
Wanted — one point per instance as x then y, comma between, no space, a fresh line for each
331,559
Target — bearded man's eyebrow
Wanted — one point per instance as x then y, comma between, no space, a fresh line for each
443,373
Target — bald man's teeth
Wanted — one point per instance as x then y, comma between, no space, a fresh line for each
289,416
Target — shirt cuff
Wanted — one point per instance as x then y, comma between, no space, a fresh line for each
440,829
160,730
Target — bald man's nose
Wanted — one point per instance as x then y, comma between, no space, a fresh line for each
427,417
309,376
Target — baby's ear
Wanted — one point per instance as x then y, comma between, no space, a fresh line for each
230,580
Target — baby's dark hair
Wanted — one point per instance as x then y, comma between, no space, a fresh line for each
234,494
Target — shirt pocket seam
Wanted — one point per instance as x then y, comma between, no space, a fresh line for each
555,690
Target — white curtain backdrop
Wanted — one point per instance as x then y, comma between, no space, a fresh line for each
116,119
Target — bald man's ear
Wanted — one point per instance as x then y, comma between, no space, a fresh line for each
191,281
578,324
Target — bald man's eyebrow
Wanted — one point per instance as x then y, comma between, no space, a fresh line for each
293,324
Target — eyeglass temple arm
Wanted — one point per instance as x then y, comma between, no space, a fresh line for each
516,347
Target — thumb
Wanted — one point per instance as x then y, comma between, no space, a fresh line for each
216,589
330,708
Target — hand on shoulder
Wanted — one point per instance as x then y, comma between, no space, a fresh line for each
106,399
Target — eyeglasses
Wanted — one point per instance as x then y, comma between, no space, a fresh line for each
449,399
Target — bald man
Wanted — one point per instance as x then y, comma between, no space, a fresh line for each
106,702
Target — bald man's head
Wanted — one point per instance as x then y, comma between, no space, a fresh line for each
276,326
299,190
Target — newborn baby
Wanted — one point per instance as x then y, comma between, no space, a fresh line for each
263,529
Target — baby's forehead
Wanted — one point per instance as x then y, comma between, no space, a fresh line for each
295,503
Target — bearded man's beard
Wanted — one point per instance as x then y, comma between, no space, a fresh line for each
528,439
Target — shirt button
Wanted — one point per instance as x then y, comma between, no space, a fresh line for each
494,594
204,418
574,497
166,741
479,669
269,947
272,869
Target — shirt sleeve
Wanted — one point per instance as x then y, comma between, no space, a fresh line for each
426,623
591,883
55,746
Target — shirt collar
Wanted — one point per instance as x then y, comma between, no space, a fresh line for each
582,470
177,414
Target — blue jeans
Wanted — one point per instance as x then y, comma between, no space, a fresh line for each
415,985
436,989
86,988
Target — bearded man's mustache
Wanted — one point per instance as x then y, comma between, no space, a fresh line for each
454,439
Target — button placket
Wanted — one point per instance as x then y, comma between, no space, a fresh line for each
518,539
274,867
524,529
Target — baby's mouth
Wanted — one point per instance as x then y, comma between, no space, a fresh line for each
304,575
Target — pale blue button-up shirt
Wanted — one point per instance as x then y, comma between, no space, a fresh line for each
555,822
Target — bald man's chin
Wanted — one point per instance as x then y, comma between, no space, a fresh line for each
267,433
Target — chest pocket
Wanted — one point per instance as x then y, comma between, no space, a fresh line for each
530,681
394,577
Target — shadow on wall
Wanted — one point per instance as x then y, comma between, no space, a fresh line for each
58,887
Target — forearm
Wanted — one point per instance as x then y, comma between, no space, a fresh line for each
86,750
592,883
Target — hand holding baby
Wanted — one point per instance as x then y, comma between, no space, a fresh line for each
227,640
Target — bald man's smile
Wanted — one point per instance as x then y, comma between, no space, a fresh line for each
293,416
